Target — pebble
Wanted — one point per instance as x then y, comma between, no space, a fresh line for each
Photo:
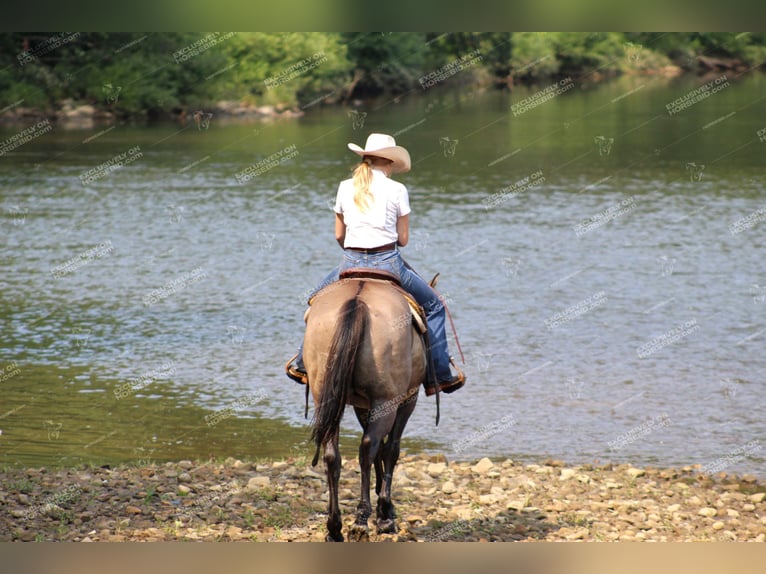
484,465
258,482
478,500
567,473
436,469
449,487
636,472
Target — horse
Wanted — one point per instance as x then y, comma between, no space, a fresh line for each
362,348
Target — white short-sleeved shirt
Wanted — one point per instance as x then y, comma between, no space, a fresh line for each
377,226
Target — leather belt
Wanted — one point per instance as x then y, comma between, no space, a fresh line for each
388,247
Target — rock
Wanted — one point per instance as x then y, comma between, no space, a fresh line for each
449,487
258,482
567,473
611,484
718,525
184,477
130,509
413,518
748,507
584,478
707,511
517,505
238,464
760,538
731,513
756,498
484,465
186,464
635,472
577,534
436,469
487,499
674,508
183,490
554,463
279,465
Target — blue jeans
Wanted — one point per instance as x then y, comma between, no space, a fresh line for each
415,285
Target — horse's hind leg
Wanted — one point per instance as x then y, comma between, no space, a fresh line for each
332,463
369,449
386,513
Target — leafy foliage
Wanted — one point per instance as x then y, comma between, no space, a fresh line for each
134,74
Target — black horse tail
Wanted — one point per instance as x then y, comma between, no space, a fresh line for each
339,370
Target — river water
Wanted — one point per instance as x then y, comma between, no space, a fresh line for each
602,258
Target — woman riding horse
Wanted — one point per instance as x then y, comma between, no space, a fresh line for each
371,223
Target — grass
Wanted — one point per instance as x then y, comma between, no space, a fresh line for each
279,517
151,492
23,485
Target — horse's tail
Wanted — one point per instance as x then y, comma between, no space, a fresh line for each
349,332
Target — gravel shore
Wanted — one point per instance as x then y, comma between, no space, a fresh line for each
436,500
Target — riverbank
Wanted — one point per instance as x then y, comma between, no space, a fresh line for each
85,115
71,114
437,500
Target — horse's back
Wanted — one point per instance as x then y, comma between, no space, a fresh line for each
391,354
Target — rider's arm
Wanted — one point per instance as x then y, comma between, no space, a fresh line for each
340,229
403,230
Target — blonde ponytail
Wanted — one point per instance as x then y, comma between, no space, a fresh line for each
362,178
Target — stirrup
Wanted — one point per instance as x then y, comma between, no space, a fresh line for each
295,373
450,386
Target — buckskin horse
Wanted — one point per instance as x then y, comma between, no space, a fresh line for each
362,348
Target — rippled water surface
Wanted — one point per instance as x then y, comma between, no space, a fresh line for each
614,310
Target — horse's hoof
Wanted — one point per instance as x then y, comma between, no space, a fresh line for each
331,538
358,533
387,526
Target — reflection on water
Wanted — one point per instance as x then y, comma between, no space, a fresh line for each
600,258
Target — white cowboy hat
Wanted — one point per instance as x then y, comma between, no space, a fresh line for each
383,145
